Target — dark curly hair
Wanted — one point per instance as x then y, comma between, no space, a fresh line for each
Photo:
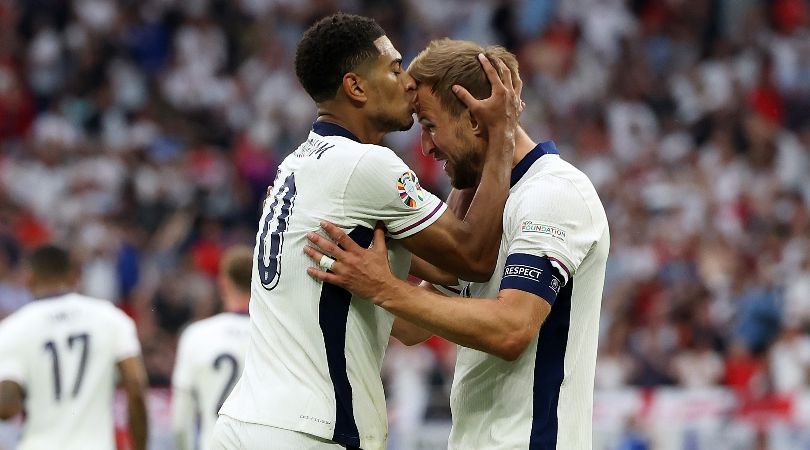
332,47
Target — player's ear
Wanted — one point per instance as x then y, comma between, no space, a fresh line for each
354,87
476,127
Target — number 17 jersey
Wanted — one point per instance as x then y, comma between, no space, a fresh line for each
315,353
63,352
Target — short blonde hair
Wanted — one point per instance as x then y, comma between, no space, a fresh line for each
237,266
446,62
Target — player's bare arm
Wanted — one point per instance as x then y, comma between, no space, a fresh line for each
408,333
504,327
133,381
469,247
458,202
10,399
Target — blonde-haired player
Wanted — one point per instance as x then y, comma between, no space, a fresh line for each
211,354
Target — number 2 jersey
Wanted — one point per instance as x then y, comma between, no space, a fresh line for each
315,353
210,357
63,352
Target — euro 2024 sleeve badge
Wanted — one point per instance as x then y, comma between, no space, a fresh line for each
410,191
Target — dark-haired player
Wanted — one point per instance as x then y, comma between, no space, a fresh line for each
312,371
527,336
60,357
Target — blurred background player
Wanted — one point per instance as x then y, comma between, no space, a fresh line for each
211,354
312,370
60,357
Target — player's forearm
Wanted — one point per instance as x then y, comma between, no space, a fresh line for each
10,399
409,333
475,323
138,422
428,272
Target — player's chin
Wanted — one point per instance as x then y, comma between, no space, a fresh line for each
407,123
461,180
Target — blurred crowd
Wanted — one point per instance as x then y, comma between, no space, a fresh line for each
144,134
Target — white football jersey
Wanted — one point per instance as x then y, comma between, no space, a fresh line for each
555,244
63,351
210,358
315,354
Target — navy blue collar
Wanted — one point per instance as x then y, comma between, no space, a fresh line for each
543,148
333,129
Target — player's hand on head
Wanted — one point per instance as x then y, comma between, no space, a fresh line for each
342,262
503,106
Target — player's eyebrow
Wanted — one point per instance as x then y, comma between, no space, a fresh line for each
396,62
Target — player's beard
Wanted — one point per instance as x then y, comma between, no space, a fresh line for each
467,172
467,168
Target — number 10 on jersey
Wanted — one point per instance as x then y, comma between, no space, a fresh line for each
271,243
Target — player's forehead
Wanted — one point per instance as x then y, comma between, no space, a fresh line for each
427,104
388,52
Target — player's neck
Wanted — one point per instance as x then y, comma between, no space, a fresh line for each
523,145
363,129
238,305
51,290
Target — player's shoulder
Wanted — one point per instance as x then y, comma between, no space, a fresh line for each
99,306
323,146
70,306
346,155
368,157
557,192
558,178
208,325
378,156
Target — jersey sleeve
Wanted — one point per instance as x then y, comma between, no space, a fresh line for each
551,232
126,337
182,376
382,187
12,352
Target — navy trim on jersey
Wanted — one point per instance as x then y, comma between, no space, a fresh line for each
532,274
333,314
451,289
543,148
333,129
418,222
549,372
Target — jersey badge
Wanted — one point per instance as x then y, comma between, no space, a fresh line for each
533,226
410,191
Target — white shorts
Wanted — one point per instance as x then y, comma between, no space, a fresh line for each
232,434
